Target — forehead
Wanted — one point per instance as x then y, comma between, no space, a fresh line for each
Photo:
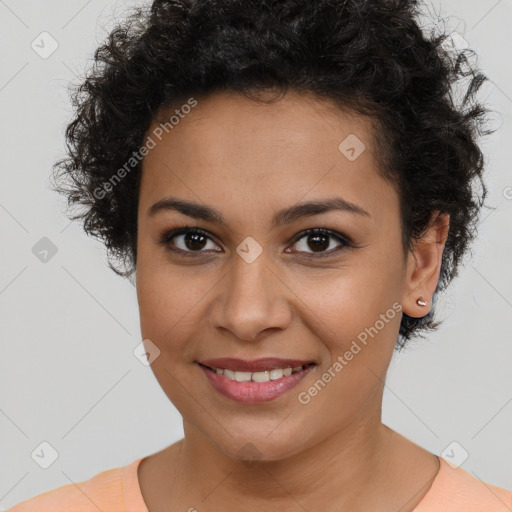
229,147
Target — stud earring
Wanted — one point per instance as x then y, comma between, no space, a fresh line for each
421,302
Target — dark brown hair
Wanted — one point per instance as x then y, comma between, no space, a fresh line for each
369,56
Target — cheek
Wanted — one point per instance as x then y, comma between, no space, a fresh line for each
171,302
345,302
356,327
356,318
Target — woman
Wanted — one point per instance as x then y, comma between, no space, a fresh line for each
292,185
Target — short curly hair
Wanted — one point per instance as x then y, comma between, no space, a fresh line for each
370,56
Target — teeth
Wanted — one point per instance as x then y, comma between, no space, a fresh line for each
260,376
276,374
229,374
243,376
264,376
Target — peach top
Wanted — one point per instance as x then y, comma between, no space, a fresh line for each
117,490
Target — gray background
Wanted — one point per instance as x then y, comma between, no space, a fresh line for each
68,327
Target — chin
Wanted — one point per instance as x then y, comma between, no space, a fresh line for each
251,446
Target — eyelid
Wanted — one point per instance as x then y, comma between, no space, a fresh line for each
183,230
344,240
323,231
344,243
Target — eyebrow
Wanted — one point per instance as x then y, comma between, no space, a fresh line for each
284,216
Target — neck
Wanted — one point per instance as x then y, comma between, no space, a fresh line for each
333,470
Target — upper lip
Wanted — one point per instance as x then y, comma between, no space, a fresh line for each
256,365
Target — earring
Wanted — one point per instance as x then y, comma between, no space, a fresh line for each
421,302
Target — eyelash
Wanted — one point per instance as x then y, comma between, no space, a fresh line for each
344,240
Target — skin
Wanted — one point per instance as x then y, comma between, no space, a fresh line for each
248,160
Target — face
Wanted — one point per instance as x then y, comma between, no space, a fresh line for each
257,286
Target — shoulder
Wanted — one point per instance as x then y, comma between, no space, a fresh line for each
104,491
454,489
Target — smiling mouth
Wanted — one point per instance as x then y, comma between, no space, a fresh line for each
259,376
257,381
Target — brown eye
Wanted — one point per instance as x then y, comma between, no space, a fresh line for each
194,241
188,240
319,241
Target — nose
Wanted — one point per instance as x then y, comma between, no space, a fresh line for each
252,299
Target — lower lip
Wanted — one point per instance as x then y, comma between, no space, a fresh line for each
254,392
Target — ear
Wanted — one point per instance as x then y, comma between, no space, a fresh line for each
424,266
